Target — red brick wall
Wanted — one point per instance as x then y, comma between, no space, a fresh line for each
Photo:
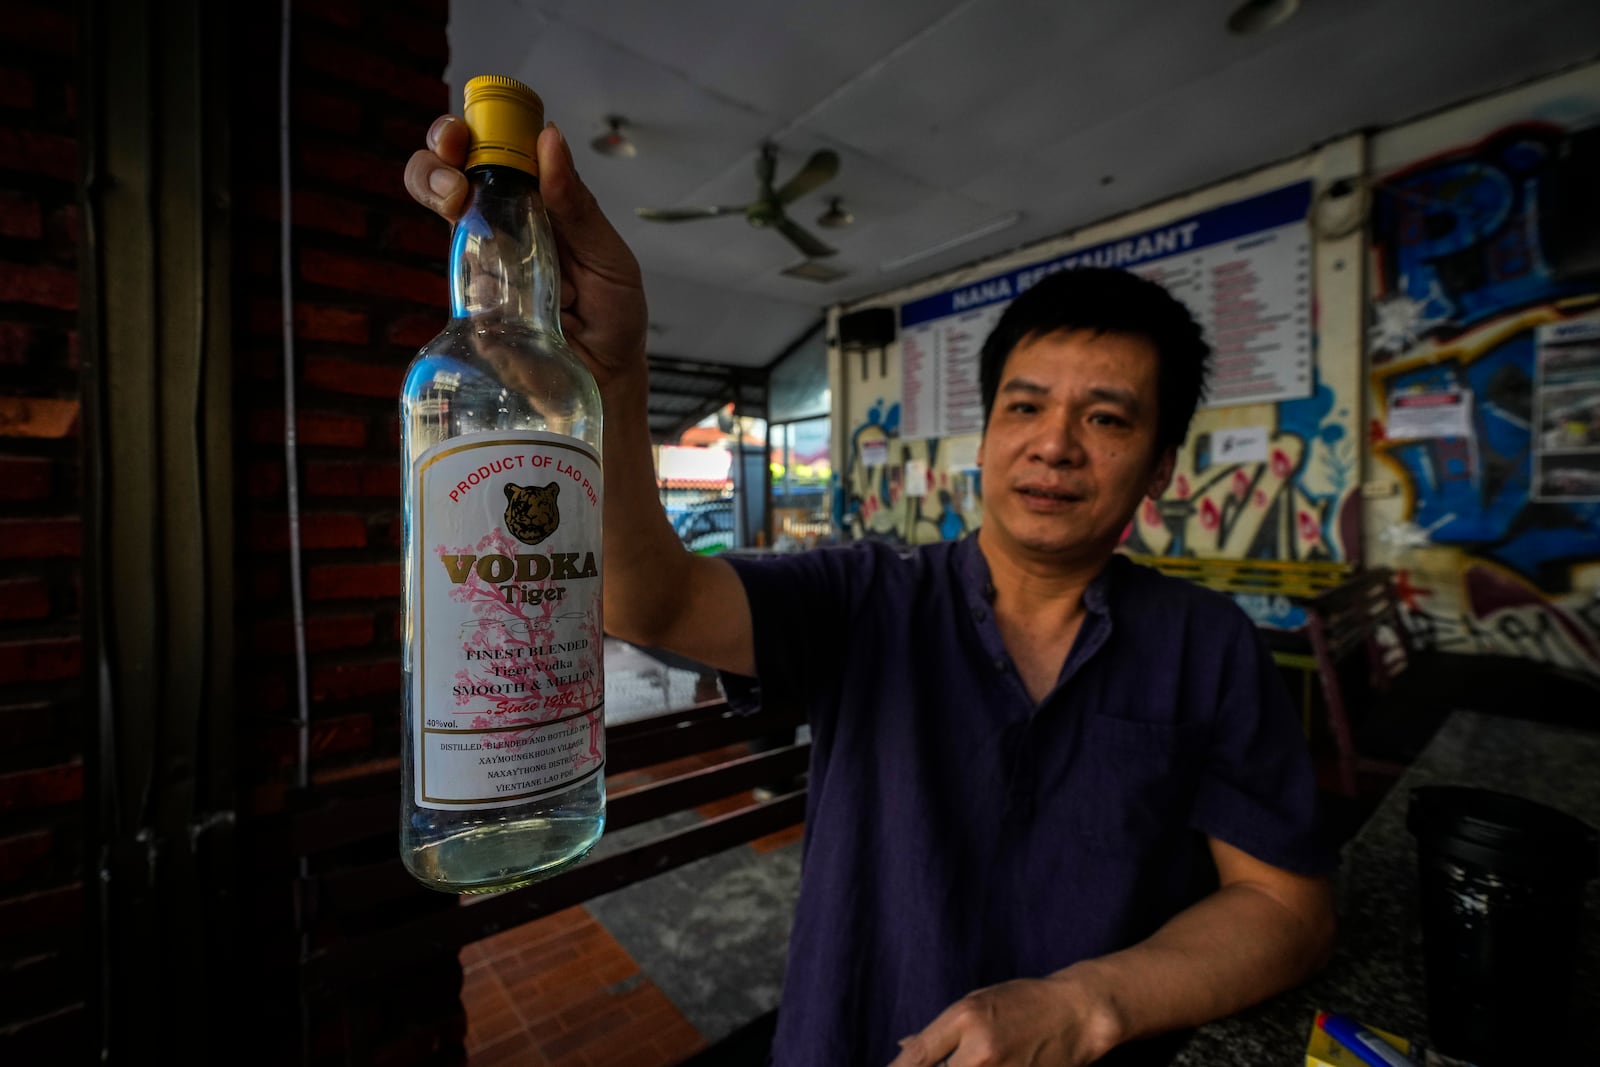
43,722
367,81
369,289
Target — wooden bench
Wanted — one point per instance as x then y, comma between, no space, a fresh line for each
1335,612
358,819
1301,579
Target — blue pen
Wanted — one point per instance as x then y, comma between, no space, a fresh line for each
1363,1043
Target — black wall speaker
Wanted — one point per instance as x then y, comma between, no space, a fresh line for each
1569,207
867,328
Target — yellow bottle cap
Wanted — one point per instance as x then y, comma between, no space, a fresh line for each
504,118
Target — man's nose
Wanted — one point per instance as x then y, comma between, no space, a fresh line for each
1059,442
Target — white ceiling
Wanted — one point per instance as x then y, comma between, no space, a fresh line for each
949,114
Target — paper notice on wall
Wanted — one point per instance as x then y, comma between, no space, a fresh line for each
961,453
916,478
1239,444
1439,413
874,453
920,360
939,392
1567,411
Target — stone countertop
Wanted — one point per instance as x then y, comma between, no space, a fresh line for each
1376,973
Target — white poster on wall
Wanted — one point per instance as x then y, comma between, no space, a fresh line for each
1243,269
916,478
1567,411
1239,444
939,374
1436,413
961,452
874,453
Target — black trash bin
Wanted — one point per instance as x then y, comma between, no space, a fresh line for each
1502,881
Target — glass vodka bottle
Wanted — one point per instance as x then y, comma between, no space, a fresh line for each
503,753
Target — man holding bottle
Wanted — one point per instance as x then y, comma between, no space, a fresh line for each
1059,807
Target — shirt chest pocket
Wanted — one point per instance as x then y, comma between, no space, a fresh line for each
1132,784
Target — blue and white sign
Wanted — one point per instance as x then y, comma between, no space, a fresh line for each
1243,269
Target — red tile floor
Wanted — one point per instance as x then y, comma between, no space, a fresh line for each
561,992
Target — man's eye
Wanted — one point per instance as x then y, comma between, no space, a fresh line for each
1022,407
1103,418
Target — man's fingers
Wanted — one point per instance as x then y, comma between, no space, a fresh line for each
930,1048
587,237
433,174
435,185
450,139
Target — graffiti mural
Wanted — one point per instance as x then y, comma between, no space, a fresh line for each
876,502
1461,285
1502,614
1297,505
1456,241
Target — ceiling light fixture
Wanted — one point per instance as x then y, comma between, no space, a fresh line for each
888,266
1254,16
836,217
615,143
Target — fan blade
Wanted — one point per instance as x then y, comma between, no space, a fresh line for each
802,240
766,167
685,214
819,170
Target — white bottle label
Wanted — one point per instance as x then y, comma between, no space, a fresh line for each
508,684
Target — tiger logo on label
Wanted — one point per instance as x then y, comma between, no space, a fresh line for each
531,513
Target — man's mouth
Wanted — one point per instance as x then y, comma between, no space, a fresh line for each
1044,493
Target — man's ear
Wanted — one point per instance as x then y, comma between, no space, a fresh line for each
1162,476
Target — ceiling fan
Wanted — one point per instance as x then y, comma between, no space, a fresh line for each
767,209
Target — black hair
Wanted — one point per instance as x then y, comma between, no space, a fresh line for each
1105,300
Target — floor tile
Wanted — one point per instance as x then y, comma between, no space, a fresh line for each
562,992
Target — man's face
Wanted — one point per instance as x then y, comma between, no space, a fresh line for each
1071,446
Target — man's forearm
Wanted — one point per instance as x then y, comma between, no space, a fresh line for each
1240,945
1233,949
656,591
641,550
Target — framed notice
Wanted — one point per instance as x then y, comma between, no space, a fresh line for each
1243,269
1566,451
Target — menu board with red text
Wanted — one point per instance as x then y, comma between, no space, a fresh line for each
1243,269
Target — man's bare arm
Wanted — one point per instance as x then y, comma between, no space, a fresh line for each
1263,931
656,591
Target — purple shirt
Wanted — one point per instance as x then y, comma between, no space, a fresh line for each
957,835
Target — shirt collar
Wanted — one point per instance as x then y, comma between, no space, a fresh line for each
978,586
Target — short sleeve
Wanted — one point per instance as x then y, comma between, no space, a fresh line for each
803,608
1258,789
